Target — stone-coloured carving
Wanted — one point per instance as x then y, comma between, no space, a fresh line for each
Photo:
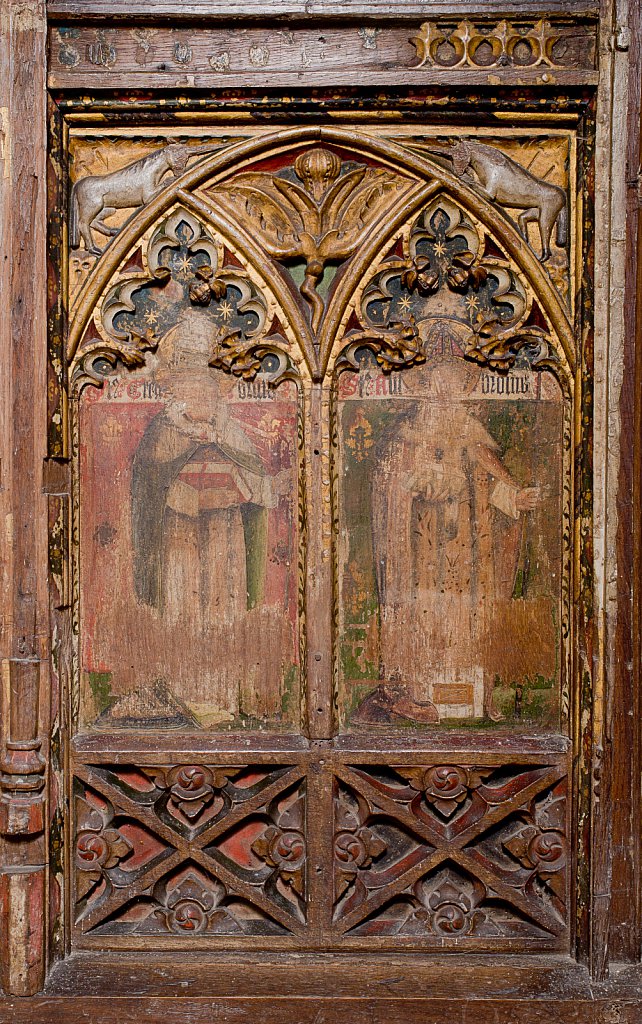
191,849
506,182
484,45
99,195
319,209
461,851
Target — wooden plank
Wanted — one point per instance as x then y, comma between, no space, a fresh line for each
301,1010
305,9
24,604
626,909
246,56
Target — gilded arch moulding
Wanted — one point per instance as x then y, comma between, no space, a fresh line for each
216,173
187,265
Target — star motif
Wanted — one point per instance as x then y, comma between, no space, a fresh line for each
184,267
226,309
404,304
151,317
472,302
440,248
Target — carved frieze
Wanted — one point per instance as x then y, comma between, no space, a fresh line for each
445,47
482,45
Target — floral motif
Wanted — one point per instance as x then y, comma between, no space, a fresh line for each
447,908
205,285
103,849
355,845
540,844
320,218
192,906
448,251
285,851
496,345
282,845
458,272
445,787
395,346
192,788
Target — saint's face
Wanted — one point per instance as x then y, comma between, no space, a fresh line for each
197,395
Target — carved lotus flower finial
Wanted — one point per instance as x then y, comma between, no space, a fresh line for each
317,169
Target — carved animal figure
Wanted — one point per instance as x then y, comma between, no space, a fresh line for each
98,196
504,181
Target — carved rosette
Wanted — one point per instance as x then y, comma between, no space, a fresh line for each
99,845
193,905
540,844
445,787
192,788
448,906
355,845
283,846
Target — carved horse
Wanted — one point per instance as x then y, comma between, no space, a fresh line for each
98,196
504,181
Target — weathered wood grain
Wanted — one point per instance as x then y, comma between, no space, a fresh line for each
626,909
292,10
366,54
25,627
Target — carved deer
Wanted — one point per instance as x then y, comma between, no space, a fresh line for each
98,196
504,181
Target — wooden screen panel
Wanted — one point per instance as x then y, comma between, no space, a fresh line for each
461,848
186,503
198,526
314,374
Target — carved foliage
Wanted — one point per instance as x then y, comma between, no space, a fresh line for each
191,849
483,853
319,209
447,265
180,270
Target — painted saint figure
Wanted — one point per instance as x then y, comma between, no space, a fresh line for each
199,469
439,568
201,498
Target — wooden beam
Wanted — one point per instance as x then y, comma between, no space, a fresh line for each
23,645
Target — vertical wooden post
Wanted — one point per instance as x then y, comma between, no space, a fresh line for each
319,579
24,624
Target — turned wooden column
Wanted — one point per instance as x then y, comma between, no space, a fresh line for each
24,627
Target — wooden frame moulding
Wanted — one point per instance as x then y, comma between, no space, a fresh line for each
33,496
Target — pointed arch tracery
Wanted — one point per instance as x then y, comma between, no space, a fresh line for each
203,187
